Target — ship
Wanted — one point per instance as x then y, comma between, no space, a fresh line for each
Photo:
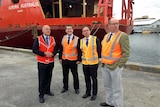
21,21
146,25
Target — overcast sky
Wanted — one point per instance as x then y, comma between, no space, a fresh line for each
140,8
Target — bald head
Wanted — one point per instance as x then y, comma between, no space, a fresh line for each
113,20
113,25
46,30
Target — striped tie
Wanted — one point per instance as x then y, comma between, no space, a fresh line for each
109,37
47,42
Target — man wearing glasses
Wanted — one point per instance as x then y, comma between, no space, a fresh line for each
115,53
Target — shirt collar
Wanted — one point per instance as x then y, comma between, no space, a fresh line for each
70,36
88,37
45,36
111,33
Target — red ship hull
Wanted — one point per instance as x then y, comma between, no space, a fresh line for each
20,20
25,40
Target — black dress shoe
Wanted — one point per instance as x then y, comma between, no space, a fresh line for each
77,91
105,104
86,95
64,90
50,94
41,99
93,97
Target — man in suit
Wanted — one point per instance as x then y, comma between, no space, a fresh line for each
44,48
115,52
91,48
69,57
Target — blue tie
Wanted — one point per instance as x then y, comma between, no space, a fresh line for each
87,42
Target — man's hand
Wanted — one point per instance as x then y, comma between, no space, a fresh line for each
48,54
60,61
78,62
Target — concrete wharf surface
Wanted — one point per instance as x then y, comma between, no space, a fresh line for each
19,85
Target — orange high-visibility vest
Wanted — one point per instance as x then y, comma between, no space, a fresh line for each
70,51
44,47
111,51
89,53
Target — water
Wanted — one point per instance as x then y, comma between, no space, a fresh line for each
145,49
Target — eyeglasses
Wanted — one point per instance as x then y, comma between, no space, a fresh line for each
85,30
113,23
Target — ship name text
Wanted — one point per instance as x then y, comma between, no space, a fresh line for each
23,5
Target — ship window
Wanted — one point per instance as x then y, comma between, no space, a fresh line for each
47,8
70,8
15,1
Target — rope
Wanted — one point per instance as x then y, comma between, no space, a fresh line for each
19,34
94,24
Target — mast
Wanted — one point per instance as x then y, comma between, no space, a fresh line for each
127,12
105,8
84,8
60,8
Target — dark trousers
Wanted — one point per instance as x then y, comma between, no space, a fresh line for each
90,72
66,65
44,76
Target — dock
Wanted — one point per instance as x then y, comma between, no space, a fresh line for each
19,84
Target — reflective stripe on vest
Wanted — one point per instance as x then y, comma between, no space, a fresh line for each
44,47
92,47
111,56
70,50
